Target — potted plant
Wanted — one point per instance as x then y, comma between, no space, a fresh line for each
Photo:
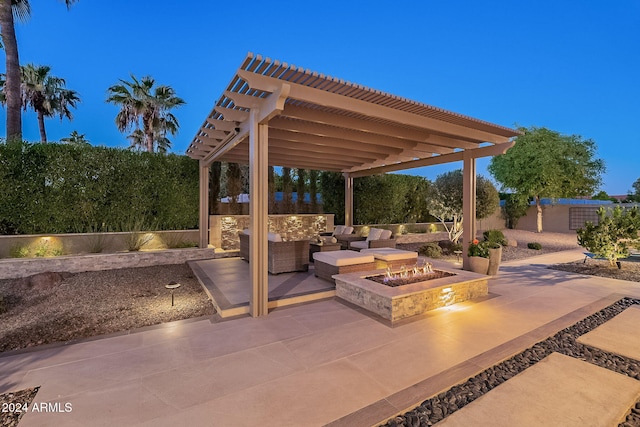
478,256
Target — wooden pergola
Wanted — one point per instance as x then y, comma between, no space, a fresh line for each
276,114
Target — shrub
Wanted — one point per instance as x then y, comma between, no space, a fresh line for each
176,241
18,251
3,306
495,237
430,250
448,247
534,245
85,185
616,229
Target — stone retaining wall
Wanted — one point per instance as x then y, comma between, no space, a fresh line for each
23,267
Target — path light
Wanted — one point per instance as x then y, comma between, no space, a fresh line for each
172,286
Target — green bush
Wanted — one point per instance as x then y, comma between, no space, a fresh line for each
62,188
3,305
534,245
494,237
18,251
616,230
430,250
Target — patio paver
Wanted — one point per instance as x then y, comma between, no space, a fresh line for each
309,364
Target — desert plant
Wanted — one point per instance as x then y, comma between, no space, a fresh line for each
495,237
174,240
44,249
18,251
430,250
534,245
137,234
97,242
616,230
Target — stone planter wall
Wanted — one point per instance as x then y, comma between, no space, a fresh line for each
78,243
23,267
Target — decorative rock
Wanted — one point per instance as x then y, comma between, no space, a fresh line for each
564,342
512,242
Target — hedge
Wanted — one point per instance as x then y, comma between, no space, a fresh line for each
61,188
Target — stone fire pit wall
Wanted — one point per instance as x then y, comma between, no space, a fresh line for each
401,302
223,229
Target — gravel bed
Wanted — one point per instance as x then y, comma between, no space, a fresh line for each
64,307
439,407
551,242
12,406
630,270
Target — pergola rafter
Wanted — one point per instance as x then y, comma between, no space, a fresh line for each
277,114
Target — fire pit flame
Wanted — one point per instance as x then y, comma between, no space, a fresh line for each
424,271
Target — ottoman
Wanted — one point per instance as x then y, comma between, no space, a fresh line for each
392,258
326,264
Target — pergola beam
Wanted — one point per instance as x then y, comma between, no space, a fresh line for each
373,127
492,150
341,102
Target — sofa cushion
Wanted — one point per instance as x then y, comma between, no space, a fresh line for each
274,237
347,230
374,234
386,235
359,244
338,230
390,254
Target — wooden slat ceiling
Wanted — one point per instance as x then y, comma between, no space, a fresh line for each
333,125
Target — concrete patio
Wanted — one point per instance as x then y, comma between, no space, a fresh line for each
312,364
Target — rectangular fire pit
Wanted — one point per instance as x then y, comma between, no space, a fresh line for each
401,302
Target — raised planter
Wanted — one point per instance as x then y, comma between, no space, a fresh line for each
22,267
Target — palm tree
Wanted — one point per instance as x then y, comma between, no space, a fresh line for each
140,102
75,138
137,141
46,95
21,9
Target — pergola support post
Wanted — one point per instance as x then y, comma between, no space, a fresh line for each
348,199
258,209
468,204
203,211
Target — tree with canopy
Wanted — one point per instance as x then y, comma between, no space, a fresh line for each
544,163
140,101
635,196
20,10
444,201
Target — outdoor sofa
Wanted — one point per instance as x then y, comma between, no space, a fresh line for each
377,238
283,257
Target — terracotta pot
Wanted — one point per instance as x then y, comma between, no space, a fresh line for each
478,264
495,255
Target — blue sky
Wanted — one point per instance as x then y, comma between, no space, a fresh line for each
571,66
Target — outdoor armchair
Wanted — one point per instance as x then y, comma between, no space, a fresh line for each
282,257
